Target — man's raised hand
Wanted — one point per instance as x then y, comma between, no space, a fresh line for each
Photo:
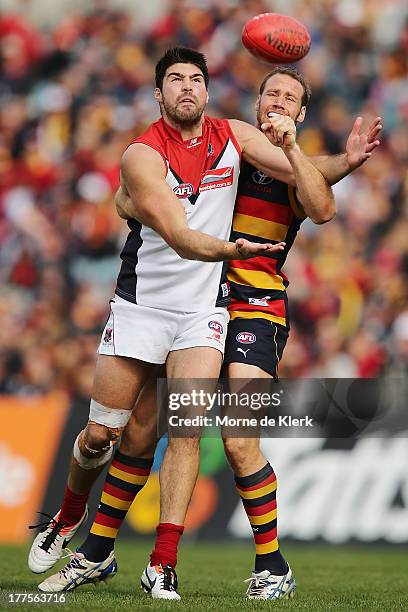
360,145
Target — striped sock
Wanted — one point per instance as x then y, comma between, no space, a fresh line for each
258,494
126,477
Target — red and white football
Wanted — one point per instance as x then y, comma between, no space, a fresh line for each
276,38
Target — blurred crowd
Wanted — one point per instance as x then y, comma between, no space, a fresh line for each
71,99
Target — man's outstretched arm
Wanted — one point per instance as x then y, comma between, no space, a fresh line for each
359,148
153,203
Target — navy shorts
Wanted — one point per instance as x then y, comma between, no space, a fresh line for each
257,342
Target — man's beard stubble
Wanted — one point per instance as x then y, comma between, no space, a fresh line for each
184,118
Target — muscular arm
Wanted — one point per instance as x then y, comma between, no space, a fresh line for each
152,202
312,188
313,191
123,203
261,153
359,148
332,167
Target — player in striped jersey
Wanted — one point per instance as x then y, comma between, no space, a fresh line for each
268,210
259,324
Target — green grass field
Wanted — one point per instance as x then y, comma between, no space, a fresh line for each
211,578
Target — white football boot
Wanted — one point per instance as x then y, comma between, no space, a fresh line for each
264,585
79,571
50,542
160,582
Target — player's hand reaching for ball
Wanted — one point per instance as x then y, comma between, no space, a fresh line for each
247,249
280,130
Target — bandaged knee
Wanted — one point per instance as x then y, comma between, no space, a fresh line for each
115,420
90,463
112,418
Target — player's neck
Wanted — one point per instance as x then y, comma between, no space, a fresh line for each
189,132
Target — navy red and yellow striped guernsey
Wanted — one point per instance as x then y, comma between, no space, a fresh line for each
266,210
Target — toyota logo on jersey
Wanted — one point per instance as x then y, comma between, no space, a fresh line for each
185,190
217,327
260,178
246,337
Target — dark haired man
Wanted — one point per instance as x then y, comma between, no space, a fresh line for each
165,302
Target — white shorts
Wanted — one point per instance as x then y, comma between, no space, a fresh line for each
149,334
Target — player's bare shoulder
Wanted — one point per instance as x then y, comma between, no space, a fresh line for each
260,152
250,139
143,177
241,130
140,159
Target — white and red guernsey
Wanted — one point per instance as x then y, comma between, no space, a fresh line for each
203,172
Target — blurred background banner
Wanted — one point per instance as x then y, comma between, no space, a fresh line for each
31,432
76,86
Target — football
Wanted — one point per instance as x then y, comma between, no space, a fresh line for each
276,38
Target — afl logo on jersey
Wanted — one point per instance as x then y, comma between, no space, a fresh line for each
184,190
260,178
246,338
217,327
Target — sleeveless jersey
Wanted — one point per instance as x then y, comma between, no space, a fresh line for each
203,172
266,211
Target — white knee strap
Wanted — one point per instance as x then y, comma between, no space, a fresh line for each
110,417
90,464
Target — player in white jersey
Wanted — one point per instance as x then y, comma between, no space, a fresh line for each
156,318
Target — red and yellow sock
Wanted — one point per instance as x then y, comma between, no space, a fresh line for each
126,477
258,494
